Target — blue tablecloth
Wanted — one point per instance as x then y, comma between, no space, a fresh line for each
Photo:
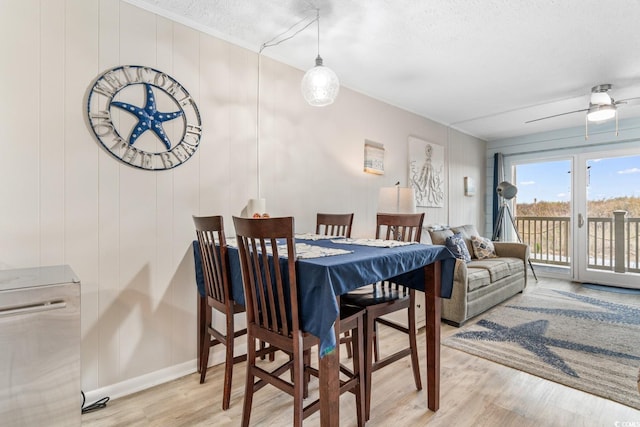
320,280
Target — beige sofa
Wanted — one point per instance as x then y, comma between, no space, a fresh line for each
481,283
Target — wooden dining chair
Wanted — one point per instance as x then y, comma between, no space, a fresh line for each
338,225
216,277
271,295
387,297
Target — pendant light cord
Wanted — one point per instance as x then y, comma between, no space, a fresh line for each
280,38
258,126
318,22
277,39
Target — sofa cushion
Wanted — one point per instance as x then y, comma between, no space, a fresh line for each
467,232
516,265
483,247
477,278
458,247
497,267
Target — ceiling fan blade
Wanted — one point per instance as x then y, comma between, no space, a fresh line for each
556,115
625,101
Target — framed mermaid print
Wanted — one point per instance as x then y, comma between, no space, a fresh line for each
426,172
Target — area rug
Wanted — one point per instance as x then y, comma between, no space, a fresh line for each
604,288
588,340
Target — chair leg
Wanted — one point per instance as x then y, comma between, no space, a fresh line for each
298,381
413,344
368,362
376,343
204,361
306,374
272,355
202,306
205,341
291,371
347,343
249,383
359,371
228,362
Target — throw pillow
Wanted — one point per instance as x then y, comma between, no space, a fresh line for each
457,247
483,247
440,237
467,231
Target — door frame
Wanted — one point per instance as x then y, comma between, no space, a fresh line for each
509,165
579,198
578,270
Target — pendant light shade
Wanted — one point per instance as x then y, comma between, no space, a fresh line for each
320,85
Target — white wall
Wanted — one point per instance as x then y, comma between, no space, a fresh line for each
127,232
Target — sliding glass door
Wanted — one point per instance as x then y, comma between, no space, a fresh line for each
543,212
607,200
580,215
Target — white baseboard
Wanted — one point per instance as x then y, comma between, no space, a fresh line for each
161,376
142,382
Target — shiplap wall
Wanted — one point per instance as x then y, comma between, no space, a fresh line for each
127,232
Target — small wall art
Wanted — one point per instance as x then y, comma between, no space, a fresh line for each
469,186
373,157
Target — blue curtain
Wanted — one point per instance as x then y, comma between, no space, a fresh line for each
498,177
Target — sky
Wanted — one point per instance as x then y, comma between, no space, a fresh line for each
551,181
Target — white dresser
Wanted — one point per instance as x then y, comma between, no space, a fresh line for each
40,347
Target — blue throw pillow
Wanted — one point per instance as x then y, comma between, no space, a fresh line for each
458,247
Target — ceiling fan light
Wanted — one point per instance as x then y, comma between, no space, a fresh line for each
320,85
600,113
601,98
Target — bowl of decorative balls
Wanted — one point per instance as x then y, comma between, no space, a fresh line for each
257,215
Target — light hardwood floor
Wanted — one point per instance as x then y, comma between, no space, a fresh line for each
474,392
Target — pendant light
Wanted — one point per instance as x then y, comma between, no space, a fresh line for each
320,85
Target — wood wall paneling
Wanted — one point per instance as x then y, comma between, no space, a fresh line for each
127,232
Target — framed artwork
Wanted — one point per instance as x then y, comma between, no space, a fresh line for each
469,186
373,157
149,100
426,172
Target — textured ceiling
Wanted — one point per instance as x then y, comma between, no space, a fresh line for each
481,66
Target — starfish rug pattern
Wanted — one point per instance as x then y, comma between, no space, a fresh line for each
531,335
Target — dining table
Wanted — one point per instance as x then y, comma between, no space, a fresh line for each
329,267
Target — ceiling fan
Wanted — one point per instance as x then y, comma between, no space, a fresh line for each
602,107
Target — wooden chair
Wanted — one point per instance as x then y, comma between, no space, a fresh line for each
273,316
215,270
338,225
387,297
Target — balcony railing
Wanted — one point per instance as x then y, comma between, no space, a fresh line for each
613,242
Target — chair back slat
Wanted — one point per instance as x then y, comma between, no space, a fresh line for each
338,225
258,283
402,227
214,259
267,261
